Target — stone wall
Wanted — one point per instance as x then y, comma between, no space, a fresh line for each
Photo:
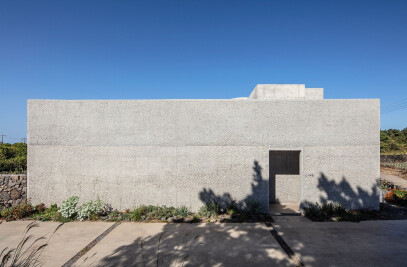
13,189
393,158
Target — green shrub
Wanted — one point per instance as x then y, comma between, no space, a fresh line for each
136,214
182,211
232,208
90,210
326,211
22,210
13,158
398,196
47,214
252,206
211,209
196,218
69,207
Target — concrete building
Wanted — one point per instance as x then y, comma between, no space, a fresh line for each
283,143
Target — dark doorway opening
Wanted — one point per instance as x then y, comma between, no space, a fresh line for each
284,173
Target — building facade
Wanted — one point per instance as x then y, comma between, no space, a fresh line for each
283,143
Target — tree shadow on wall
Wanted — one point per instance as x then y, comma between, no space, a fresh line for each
346,195
258,192
198,244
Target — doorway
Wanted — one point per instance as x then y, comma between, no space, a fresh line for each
285,179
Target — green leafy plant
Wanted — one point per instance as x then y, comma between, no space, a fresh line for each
252,206
182,211
211,209
24,209
13,158
393,141
136,214
398,196
89,210
48,214
327,212
232,208
69,207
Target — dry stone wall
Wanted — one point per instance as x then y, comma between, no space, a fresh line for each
13,189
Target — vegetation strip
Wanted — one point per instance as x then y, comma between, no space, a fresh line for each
89,246
290,253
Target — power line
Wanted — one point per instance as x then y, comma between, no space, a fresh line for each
395,106
394,103
393,110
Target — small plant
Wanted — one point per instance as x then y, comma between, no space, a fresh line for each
182,211
135,215
69,207
196,218
327,212
210,209
252,206
90,210
24,209
41,207
398,196
48,214
232,208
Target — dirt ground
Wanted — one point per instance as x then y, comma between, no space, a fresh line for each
393,171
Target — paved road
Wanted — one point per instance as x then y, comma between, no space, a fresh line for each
394,179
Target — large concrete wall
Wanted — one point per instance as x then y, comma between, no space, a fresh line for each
174,152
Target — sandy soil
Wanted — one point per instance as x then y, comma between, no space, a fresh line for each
394,171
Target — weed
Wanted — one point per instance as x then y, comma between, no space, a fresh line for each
25,254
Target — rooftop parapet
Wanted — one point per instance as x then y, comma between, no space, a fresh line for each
286,91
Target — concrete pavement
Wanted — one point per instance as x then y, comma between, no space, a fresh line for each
206,244
64,244
368,243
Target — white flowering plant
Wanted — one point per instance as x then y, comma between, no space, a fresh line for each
90,208
69,207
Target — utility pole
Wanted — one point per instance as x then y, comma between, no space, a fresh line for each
2,135
23,139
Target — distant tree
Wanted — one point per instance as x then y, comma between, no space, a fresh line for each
393,140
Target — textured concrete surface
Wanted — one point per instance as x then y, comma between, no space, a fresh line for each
173,152
64,244
288,188
286,91
132,244
284,208
368,243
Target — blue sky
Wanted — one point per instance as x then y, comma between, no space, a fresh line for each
198,49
